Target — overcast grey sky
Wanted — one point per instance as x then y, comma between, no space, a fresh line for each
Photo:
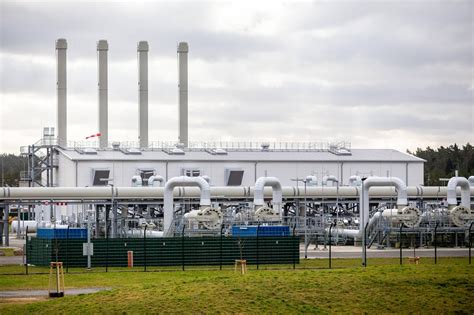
380,74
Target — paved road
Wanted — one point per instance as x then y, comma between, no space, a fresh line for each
12,260
356,252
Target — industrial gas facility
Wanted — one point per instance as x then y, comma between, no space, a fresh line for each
319,192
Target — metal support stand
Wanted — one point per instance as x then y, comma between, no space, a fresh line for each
6,231
365,245
330,242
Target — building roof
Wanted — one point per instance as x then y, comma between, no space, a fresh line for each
355,155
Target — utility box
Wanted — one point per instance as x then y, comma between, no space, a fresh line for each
261,231
51,233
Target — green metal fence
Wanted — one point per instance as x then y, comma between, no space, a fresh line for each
175,251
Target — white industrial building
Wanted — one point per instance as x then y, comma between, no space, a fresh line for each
79,168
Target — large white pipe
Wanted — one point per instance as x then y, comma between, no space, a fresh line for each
155,178
277,195
100,193
102,49
462,182
355,180
471,180
61,88
31,224
183,50
353,232
137,181
142,51
311,180
329,178
183,181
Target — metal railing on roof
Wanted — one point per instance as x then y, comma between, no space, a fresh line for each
231,146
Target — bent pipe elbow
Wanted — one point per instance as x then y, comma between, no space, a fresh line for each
462,182
260,184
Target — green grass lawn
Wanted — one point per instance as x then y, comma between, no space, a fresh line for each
383,287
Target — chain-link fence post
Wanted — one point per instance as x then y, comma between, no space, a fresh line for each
220,248
258,249
106,242
144,249
297,251
400,243
470,242
67,250
182,247
436,243
26,250
330,242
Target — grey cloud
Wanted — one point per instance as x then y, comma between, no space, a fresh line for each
388,67
34,28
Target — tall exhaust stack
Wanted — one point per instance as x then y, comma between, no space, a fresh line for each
142,51
183,50
102,49
61,86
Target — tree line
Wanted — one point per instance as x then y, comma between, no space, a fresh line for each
10,167
444,161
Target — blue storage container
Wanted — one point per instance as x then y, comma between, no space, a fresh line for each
263,230
51,233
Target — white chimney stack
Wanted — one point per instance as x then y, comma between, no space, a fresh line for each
102,49
183,50
142,50
61,86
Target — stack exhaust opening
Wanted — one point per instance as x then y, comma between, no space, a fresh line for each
61,88
183,50
142,51
102,49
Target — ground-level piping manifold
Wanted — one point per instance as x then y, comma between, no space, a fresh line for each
461,215
410,216
261,211
180,181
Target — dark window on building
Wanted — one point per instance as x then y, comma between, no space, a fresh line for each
192,172
234,177
99,177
